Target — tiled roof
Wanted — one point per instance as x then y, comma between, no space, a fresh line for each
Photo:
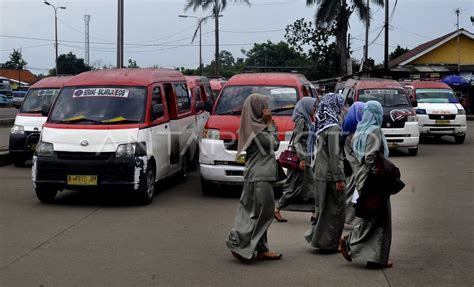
25,75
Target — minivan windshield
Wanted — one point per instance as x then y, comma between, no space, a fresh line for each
36,98
435,96
99,105
386,97
282,99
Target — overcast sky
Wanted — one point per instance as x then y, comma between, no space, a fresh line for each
154,35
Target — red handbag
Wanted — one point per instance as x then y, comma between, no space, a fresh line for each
288,158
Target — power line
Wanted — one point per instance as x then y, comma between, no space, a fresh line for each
27,47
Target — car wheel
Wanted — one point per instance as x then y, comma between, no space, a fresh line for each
19,161
207,188
147,186
459,139
413,151
45,194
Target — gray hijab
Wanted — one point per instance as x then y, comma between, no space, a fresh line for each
251,120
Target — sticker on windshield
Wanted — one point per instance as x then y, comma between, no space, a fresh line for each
434,91
381,92
101,92
50,92
283,91
397,114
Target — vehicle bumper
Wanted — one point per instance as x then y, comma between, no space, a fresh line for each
23,144
111,171
218,164
456,127
409,136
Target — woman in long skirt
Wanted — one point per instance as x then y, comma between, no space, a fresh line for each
329,173
371,239
258,137
349,126
300,183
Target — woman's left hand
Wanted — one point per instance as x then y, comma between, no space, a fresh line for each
340,186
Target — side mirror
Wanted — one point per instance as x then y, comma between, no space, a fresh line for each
45,110
17,105
349,101
414,103
157,112
200,106
209,106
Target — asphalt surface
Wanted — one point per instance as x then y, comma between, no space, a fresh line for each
8,113
98,239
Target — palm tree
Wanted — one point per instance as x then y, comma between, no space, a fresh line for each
217,7
338,12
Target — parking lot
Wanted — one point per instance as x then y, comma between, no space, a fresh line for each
98,239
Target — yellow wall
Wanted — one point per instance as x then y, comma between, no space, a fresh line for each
447,53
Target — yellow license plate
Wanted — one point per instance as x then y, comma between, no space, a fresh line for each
392,145
442,122
82,179
240,159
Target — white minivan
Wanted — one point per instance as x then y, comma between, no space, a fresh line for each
439,111
120,129
29,121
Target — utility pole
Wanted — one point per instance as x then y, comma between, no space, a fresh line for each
385,59
87,19
367,27
216,17
120,34
458,11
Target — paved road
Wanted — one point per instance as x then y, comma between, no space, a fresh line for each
97,239
4,138
8,113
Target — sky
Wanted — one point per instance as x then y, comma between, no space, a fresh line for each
155,35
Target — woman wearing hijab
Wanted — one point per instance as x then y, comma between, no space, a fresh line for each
349,126
329,174
300,183
371,239
258,137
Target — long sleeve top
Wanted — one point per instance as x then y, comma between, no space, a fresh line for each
260,161
300,141
367,165
329,164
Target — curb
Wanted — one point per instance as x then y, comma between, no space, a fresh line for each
7,122
4,158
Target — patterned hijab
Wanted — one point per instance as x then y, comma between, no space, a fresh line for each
329,110
371,120
251,120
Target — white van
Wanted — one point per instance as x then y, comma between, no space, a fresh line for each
29,121
120,128
439,111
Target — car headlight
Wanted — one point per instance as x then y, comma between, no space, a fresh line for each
412,118
17,130
44,149
461,111
130,150
212,134
421,111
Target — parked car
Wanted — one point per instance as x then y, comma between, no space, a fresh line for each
29,121
400,124
5,101
217,160
217,85
120,129
439,110
5,88
18,98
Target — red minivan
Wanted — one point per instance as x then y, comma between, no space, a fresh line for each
218,148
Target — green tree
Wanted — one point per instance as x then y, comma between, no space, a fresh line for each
397,52
132,64
69,64
332,12
16,61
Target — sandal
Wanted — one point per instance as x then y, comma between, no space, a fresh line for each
279,218
269,256
344,251
240,258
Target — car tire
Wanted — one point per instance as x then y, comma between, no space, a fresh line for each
147,186
413,151
459,139
45,194
207,188
19,161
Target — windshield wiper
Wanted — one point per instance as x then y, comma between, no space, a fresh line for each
79,120
121,121
282,109
232,112
398,105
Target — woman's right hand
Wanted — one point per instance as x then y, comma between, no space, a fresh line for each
302,164
267,116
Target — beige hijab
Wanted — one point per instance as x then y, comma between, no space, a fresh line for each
251,120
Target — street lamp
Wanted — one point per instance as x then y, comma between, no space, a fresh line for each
200,20
55,29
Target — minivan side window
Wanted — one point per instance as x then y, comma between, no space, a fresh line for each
156,98
183,99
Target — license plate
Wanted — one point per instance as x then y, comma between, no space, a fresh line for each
442,122
392,145
82,179
240,159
